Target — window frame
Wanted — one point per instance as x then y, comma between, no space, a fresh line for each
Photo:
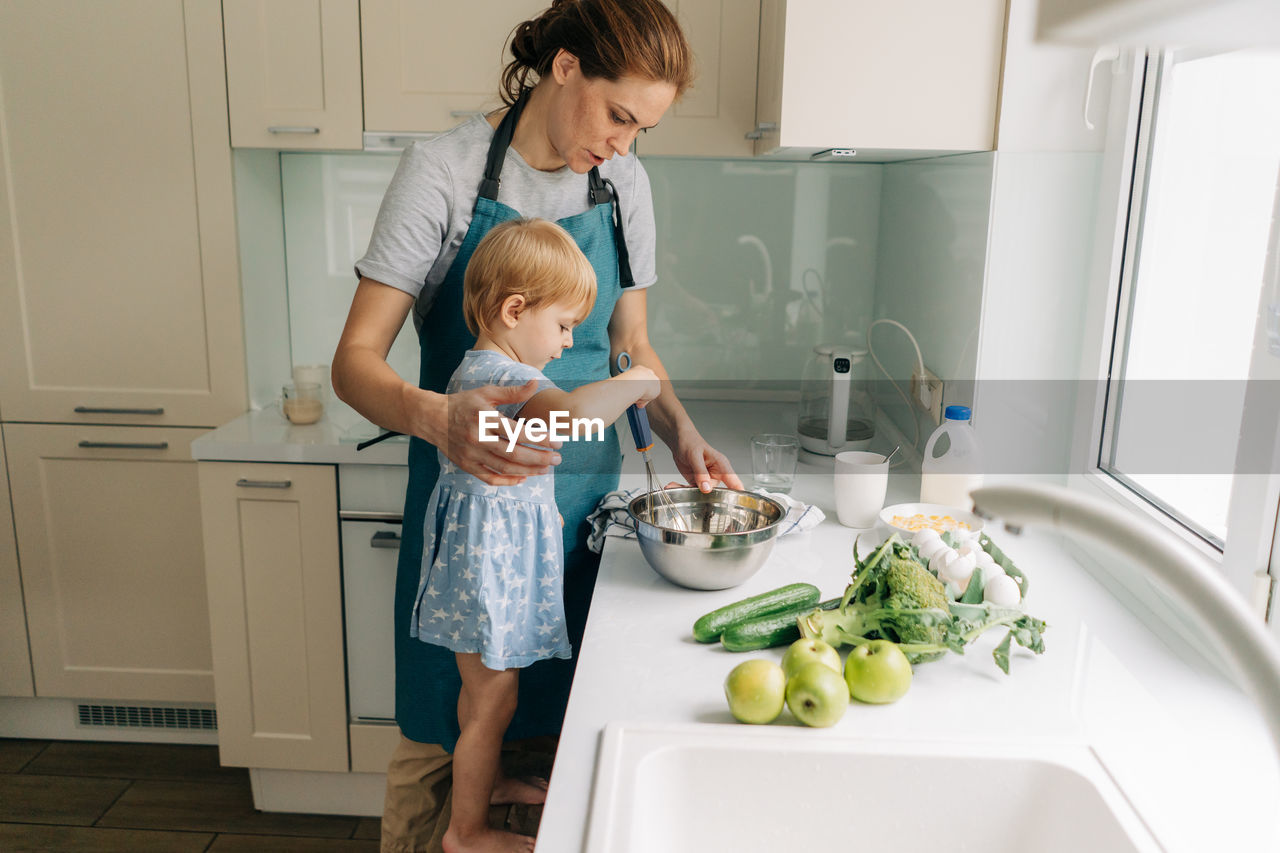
1250,556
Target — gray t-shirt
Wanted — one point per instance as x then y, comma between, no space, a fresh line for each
427,208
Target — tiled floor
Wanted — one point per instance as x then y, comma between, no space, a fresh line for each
106,797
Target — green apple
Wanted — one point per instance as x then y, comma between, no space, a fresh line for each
809,650
877,672
817,695
756,690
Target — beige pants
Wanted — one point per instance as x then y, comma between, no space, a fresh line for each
419,785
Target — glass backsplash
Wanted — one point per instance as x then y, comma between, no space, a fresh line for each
758,261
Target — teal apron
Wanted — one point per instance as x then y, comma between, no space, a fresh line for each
427,681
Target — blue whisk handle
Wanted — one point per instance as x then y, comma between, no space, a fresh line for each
639,420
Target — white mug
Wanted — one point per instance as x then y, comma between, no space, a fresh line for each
861,481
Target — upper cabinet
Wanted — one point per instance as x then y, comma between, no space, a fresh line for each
119,279
1186,23
715,118
293,73
912,75
427,66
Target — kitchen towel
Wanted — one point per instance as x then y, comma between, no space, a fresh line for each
610,517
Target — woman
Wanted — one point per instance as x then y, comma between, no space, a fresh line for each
586,78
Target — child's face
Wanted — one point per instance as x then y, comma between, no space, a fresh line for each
543,333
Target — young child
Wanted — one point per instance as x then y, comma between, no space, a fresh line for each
491,586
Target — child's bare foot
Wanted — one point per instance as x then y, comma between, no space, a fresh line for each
487,841
529,790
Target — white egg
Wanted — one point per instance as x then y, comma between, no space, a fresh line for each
988,564
938,558
929,549
1002,590
958,568
924,536
968,546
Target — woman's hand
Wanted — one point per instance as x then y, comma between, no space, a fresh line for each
702,465
454,428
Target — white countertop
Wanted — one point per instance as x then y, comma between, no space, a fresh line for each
1187,748
1165,736
264,435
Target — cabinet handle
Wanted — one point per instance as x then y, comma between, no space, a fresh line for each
281,128
385,539
127,445
761,129
465,113
264,484
104,410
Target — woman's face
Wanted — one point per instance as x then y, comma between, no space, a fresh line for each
594,119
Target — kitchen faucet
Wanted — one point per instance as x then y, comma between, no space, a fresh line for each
1214,604
753,240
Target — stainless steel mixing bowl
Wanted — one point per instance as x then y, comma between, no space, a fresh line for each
728,535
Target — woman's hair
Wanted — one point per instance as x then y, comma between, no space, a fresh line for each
533,258
610,38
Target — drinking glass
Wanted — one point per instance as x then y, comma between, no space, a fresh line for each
773,461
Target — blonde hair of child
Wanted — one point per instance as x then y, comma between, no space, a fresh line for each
533,258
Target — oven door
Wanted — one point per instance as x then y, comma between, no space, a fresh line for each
370,549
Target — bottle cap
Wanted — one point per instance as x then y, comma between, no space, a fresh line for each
957,413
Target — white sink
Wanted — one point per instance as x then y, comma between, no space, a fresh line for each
699,788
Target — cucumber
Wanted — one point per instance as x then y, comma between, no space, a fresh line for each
708,628
765,632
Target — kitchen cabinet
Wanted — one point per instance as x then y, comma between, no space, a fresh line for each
293,73
108,531
717,114
429,65
914,75
15,653
1199,23
275,602
119,279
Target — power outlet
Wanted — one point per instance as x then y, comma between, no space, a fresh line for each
926,393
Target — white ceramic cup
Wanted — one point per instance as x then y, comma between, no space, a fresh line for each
861,481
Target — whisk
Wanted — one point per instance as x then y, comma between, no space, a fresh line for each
638,419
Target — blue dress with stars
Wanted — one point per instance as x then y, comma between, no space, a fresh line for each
492,561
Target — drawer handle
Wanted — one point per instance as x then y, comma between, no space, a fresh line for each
127,445
100,410
284,128
466,113
385,539
264,484
761,129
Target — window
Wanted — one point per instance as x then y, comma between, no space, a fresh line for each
1205,178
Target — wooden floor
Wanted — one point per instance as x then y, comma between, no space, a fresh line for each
107,797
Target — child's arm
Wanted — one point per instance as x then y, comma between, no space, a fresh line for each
606,399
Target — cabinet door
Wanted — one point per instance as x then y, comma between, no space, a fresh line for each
275,601
15,654
718,111
119,282
919,75
293,73
427,66
108,527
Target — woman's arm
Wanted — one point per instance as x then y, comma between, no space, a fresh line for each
363,379
699,462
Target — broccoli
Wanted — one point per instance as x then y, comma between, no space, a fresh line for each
893,596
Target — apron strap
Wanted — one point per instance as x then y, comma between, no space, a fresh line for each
596,193
498,148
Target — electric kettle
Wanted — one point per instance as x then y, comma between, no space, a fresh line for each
836,411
